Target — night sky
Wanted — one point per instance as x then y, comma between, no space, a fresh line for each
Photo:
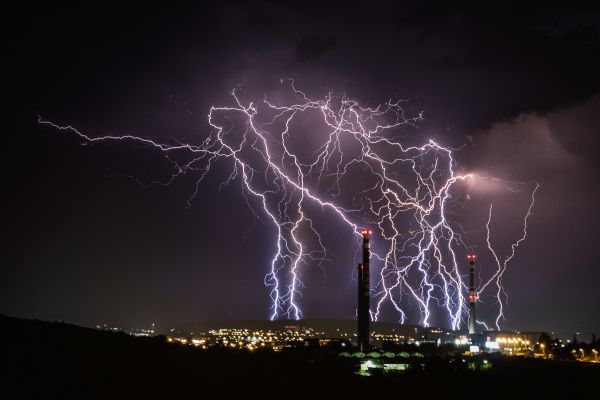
518,87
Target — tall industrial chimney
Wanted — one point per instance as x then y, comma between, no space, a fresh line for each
364,294
472,295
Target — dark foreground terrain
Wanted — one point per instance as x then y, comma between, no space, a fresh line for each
56,360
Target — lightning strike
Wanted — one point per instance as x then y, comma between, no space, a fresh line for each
404,197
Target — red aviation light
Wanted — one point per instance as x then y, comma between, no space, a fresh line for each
471,256
366,232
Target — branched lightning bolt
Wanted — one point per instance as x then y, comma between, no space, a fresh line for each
405,194
502,265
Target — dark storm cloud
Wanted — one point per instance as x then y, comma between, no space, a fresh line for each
313,46
558,145
519,81
532,52
578,129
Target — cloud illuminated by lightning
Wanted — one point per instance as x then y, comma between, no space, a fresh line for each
404,195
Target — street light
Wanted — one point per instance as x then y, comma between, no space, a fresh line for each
543,347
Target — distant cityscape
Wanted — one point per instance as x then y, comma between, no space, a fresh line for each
383,337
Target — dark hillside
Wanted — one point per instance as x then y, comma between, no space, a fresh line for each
57,360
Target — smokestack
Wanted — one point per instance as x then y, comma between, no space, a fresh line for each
364,295
472,295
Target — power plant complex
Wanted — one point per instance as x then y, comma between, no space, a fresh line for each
364,290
